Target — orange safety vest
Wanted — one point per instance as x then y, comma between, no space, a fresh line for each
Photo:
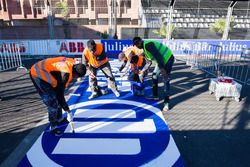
139,63
91,58
133,49
43,68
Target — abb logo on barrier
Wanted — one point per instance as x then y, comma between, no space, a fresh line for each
12,47
72,47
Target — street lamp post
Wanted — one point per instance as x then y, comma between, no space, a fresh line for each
170,17
112,11
50,20
228,20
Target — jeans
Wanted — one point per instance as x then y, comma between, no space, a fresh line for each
156,73
48,96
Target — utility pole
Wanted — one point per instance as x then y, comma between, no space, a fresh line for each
112,12
170,18
228,20
50,20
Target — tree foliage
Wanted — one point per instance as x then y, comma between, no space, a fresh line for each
63,8
163,31
219,25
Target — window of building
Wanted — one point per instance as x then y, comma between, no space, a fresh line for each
102,21
4,6
92,5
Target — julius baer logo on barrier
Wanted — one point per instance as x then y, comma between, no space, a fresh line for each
205,46
114,47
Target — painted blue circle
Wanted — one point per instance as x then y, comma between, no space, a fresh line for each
152,145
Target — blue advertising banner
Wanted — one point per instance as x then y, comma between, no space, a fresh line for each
180,47
205,46
114,47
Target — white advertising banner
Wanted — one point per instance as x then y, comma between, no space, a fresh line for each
48,47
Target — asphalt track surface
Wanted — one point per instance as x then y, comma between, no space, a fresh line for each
206,132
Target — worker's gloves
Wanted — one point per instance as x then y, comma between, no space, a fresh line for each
69,116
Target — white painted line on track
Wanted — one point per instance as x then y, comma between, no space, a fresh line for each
104,113
146,126
93,146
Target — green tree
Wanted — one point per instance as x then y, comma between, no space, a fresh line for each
163,31
103,35
219,25
63,9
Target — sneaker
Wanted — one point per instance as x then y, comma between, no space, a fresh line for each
56,132
117,94
93,95
166,107
152,97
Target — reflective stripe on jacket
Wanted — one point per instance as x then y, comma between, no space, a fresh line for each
91,58
163,50
43,69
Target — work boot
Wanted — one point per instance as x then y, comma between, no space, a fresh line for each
93,95
166,107
56,131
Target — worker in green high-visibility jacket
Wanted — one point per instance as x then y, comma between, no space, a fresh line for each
164,60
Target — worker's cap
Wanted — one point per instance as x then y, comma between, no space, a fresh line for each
91,44
79,69
136,40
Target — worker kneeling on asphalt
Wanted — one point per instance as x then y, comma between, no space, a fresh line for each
95,58
164,60
50,77
139,67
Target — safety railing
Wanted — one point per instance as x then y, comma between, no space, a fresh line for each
209,60
10,57
215,59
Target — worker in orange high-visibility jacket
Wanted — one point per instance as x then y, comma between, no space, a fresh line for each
95,58
50,77
139,66
126,55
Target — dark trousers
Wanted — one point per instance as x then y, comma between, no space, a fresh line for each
106,69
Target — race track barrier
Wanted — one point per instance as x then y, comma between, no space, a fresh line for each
10,57
215,59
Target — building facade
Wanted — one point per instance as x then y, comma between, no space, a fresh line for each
89,15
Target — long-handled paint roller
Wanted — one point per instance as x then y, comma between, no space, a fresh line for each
72,126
